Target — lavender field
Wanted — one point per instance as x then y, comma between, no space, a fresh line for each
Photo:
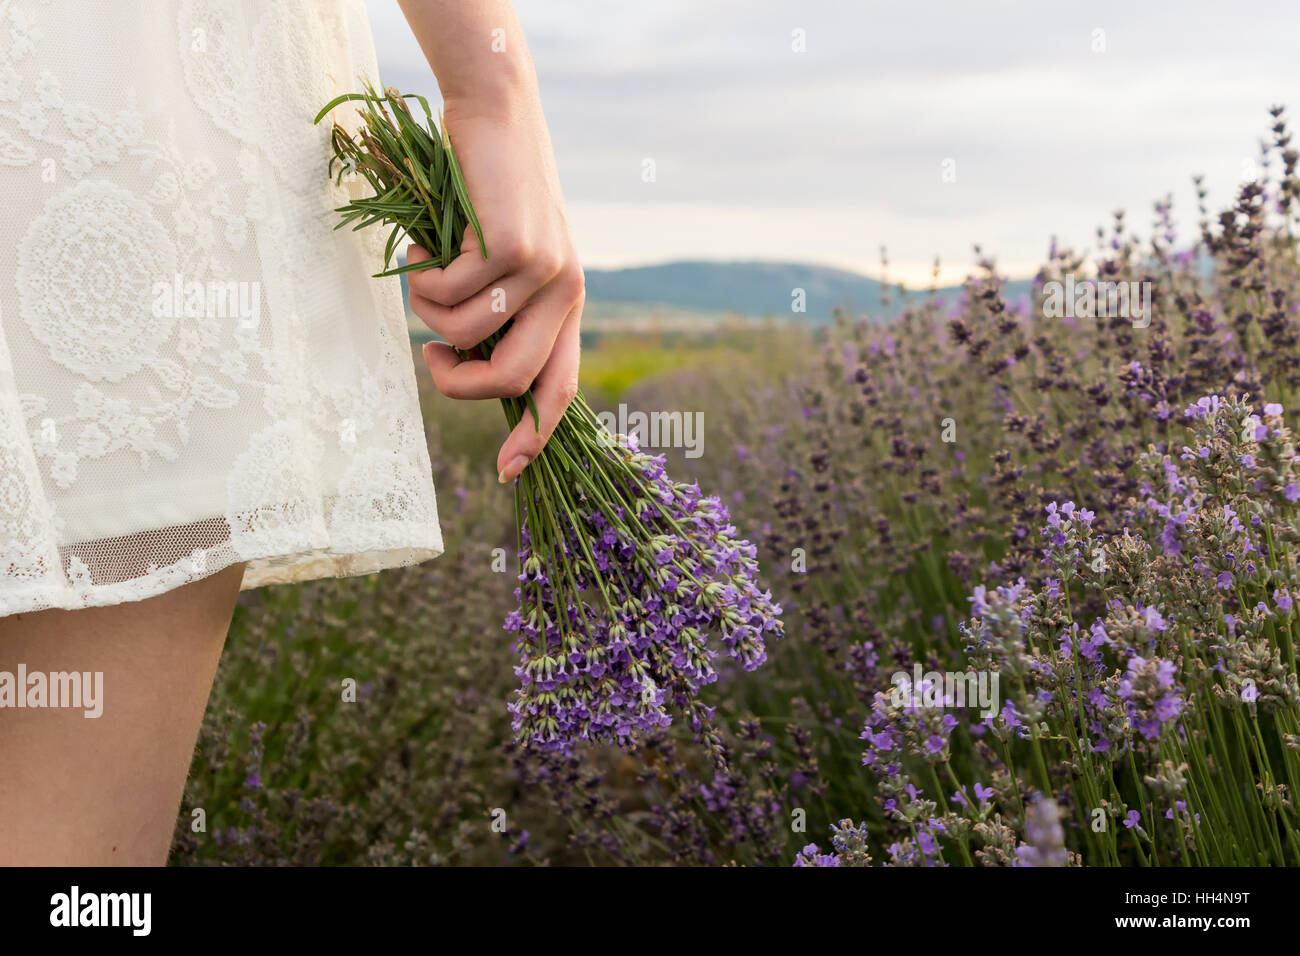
1038,574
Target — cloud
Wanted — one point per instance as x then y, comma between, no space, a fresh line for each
761,151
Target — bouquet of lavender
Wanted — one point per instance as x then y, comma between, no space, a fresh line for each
631,584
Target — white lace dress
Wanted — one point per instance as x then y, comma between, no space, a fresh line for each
195,368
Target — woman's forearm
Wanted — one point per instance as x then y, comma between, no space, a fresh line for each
478,53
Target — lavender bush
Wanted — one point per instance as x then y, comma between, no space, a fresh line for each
1111,530
1110,682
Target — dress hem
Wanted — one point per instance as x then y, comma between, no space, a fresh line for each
275,565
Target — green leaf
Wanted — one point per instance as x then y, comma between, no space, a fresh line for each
458,181
532,407
409,267
344,98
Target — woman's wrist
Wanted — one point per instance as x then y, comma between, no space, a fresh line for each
501,92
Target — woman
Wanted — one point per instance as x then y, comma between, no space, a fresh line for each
201,387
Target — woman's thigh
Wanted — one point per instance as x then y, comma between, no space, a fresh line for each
106,790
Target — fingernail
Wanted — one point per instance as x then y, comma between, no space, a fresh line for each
517,464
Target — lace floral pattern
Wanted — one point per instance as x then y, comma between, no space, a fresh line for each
195,367
83,272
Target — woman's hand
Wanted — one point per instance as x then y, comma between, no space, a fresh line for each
531,274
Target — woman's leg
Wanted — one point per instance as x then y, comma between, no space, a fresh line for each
107,790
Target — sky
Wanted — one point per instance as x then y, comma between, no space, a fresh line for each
819,131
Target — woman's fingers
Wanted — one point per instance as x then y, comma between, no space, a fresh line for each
516,360
468,323
554,389
465,275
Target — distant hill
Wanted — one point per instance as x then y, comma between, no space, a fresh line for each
753,288
696,294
